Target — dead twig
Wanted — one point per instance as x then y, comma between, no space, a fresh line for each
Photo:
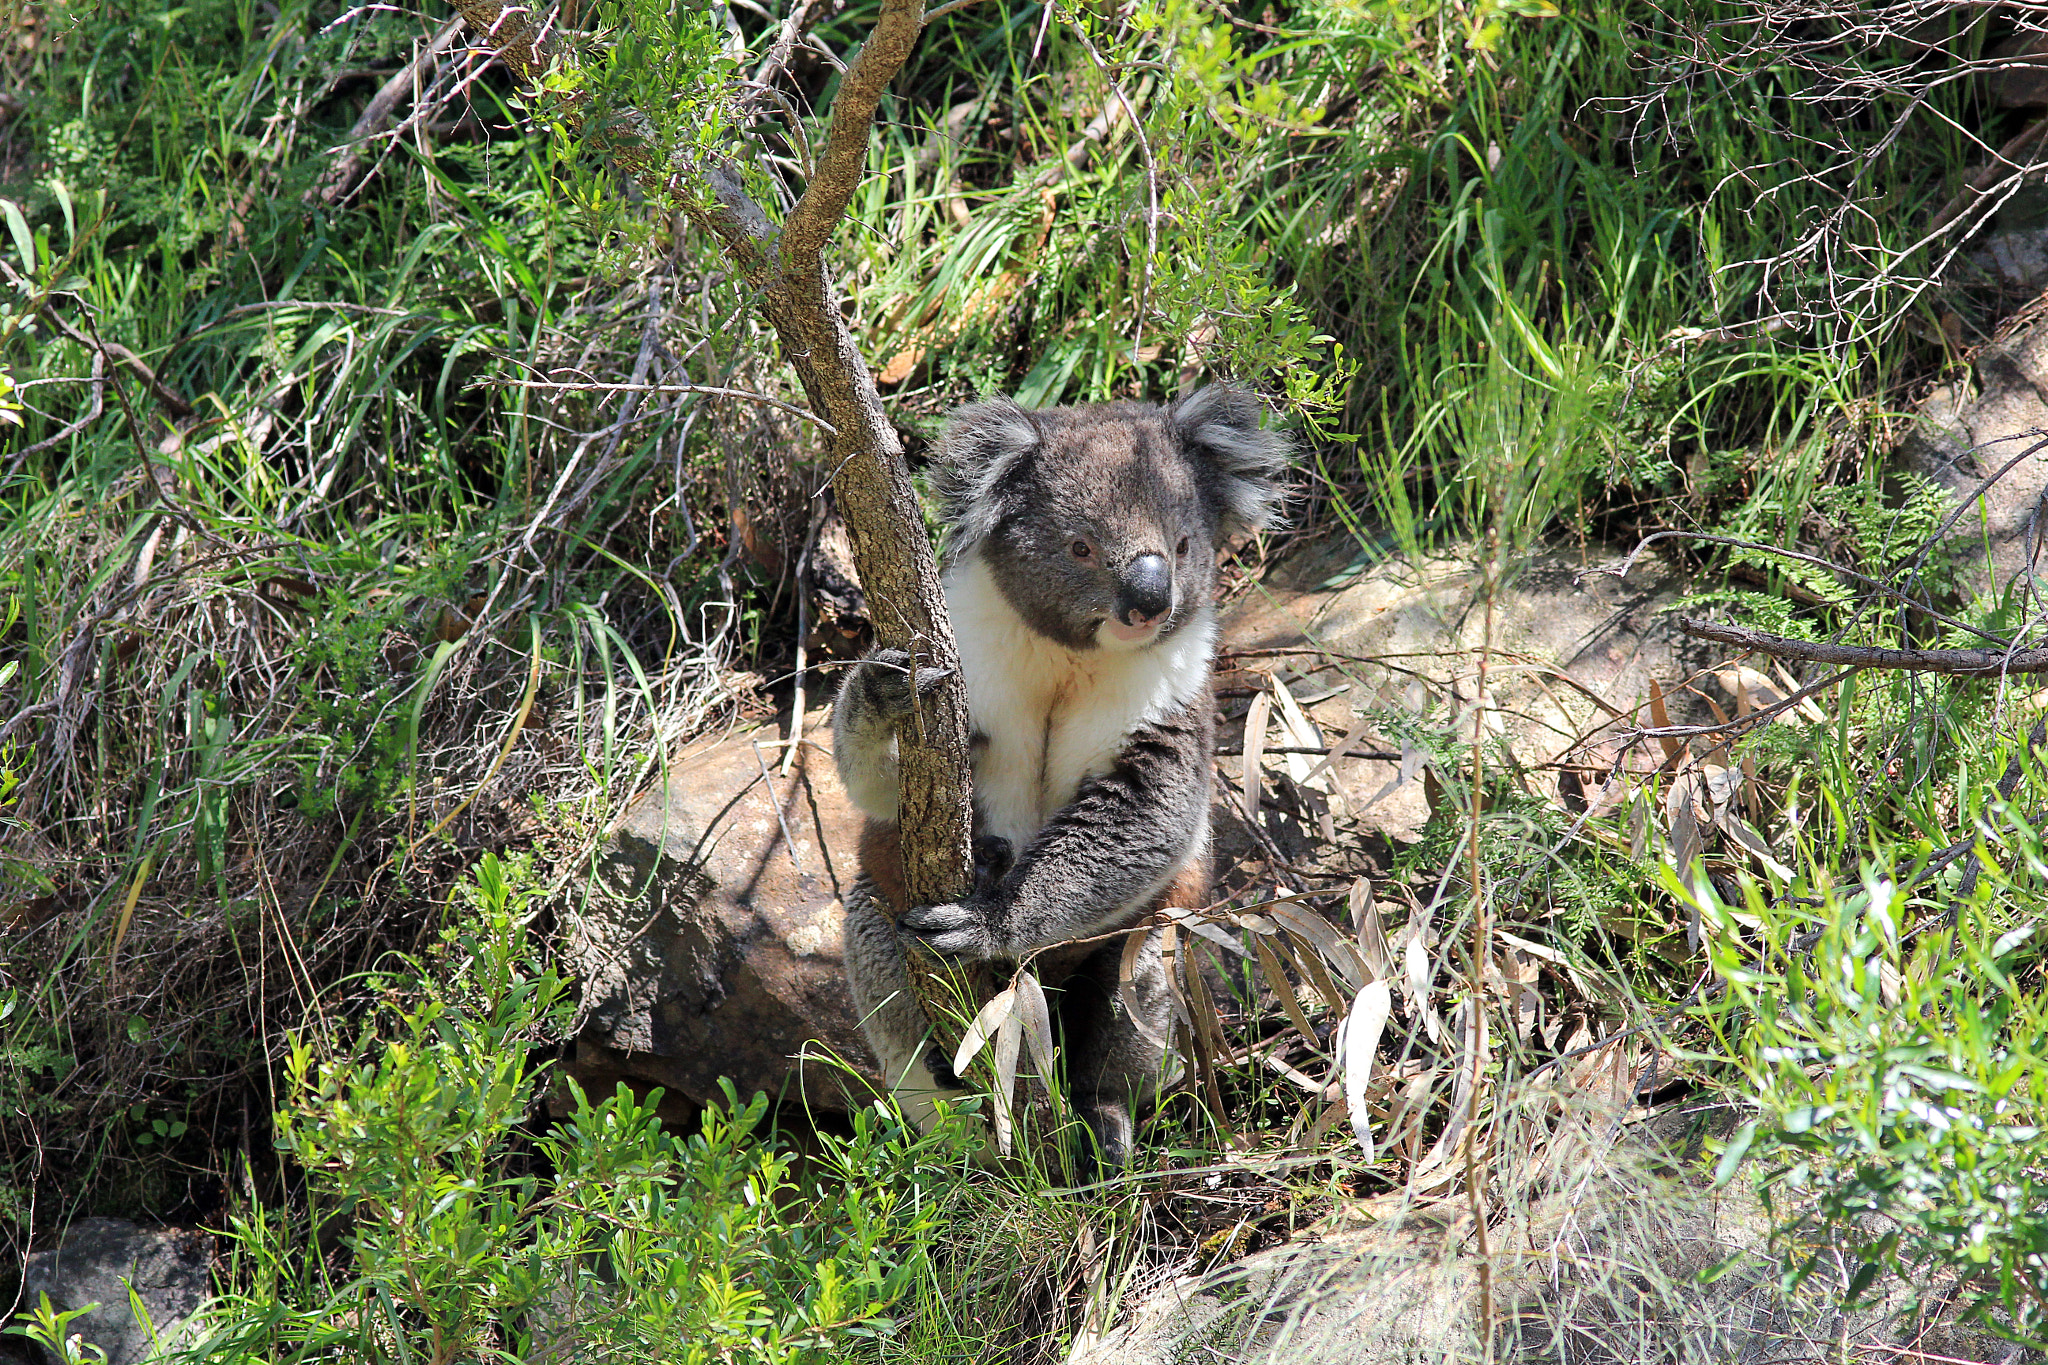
167,397
377,115
1958,663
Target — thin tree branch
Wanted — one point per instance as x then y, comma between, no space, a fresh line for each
785,42
1875,584
167,397
881,505
1958,663
671,387
376,117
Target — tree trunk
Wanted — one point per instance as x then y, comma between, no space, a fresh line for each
786,264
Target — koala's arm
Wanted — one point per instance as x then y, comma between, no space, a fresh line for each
873,701
1119,842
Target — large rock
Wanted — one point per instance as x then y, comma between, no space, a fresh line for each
1407,638
1967,431
100,1260
710,944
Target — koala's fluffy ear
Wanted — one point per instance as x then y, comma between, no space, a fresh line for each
1238,461
981,444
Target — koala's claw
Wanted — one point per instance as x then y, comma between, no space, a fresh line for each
954,931
941,1067
992,860
888,682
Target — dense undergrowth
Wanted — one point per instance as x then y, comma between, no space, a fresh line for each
356,529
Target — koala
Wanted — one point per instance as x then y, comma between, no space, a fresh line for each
1080,576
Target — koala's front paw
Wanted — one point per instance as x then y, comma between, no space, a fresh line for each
958,931
885,677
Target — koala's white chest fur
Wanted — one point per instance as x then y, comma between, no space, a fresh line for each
1053,717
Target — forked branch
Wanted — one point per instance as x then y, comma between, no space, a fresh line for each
785,265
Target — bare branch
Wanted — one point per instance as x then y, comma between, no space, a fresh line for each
168,398
602,386
509,30
785,42
1958,663
341,177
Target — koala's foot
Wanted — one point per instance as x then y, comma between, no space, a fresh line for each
959,930
941,1067
1109,1123
885,680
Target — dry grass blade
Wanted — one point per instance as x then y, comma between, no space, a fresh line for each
987,1021
1439,1166
1362,1029
511,739
128,908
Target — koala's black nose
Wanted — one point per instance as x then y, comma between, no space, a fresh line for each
1147,591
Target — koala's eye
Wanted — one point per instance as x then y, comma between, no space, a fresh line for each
1181,548
1082,549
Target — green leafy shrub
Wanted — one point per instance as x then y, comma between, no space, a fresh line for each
1901,1088
454,1236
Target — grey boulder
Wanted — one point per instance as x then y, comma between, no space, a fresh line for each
1991,426
709,938
100,1259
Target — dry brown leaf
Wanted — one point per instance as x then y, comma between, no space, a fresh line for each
1277,982
1674,748
1127,989
1327,764
1335,949
1302,733
1372,934
1356,1049
1681,821
1255,722
1037,1019
986,1021
1208,1032
1008,1035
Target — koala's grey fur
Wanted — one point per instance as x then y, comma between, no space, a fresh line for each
1080,578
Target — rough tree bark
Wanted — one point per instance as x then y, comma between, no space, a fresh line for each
786,266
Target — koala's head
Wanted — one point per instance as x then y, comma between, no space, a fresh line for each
1101,523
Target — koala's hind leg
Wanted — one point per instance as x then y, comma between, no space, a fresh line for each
1113,1068
889,1015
